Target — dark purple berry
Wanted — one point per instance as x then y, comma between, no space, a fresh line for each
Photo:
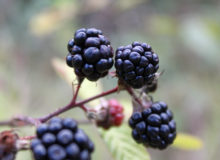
146,112
84,155
136,117
56,152
88,69
94,77
154,126
48,139
76,50
91,54
102,65
69,60
90,146
136,135
81,139
73,151
141,127
40,152
156,108
43,128
65,136
154,120
55,120
55,127
164,130
92,42
70,45
77,61
134,57
35,142
80,38
71,124
61,139
139,60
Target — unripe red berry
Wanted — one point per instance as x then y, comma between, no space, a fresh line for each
113,114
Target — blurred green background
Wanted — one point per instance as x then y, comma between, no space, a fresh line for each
184,33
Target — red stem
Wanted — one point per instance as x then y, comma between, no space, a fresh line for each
84,108
72,104
76,93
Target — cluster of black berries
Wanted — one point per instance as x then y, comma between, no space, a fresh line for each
90,54
154,126
61,139
136,64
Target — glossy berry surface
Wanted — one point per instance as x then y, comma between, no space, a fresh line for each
154,126
90,54
114,116
61,139
136,64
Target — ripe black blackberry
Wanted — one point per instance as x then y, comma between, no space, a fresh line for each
90,54
154,126
61,139
136,64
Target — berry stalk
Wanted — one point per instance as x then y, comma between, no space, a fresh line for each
72,104
19,121
77,90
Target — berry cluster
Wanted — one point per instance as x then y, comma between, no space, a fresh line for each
136,64
114,116
154,126
61,140
90,54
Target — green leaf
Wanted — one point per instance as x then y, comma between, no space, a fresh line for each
122,146
187,142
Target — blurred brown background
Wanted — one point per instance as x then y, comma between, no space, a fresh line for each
184,33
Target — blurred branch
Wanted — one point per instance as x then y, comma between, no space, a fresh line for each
72,104
20,121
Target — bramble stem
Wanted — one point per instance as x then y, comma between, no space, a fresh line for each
7,123
19,121
72,104
84,107
77,90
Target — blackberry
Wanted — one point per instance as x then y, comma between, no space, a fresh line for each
114,115
154,126
90,54
136,64
61,139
